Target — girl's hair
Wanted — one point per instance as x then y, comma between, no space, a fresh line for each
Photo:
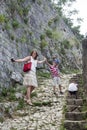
36,54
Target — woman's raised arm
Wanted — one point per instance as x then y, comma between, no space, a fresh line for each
42,61
21,60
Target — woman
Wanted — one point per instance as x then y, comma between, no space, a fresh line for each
30,80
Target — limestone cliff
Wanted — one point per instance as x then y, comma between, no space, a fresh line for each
28,24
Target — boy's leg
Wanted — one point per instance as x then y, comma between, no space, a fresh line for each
54,85
70,93
60,88
75,93
54,89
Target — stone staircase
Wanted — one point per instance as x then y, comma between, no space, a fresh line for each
76,110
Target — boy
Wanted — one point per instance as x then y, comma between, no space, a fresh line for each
55,75
72,89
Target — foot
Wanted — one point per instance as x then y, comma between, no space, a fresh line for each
56,94
29,102
25,99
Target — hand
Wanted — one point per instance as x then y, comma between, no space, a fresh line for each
12,60
45,58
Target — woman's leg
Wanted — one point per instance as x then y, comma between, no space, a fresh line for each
32,88
29,92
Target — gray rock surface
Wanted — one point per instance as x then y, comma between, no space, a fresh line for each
23,23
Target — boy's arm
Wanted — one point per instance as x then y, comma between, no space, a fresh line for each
48,63
60,75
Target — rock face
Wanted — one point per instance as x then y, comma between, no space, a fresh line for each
29,24
84,59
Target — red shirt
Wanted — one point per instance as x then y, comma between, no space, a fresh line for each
54,71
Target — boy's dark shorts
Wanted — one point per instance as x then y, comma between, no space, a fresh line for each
73,93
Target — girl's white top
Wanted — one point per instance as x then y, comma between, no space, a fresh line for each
72,87
34,64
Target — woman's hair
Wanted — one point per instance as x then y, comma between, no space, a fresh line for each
36,54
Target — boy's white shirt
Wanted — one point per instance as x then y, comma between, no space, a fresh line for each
72,87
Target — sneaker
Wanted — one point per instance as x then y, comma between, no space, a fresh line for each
54,93
61,92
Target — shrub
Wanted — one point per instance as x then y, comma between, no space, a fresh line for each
56,19
39,2
50,22
20,1
7,26
56,35
12,37
66,44
23,39
63,51
26,20
2,18
43,44
42,37
25,11
49,33
15,24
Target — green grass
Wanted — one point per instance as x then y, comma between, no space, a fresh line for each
8,94
62,125
40,104
43,74
21,104
12,128
34,94
1,119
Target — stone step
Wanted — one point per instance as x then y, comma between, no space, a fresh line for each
73,96
76,116
78,102
75,125
72,108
